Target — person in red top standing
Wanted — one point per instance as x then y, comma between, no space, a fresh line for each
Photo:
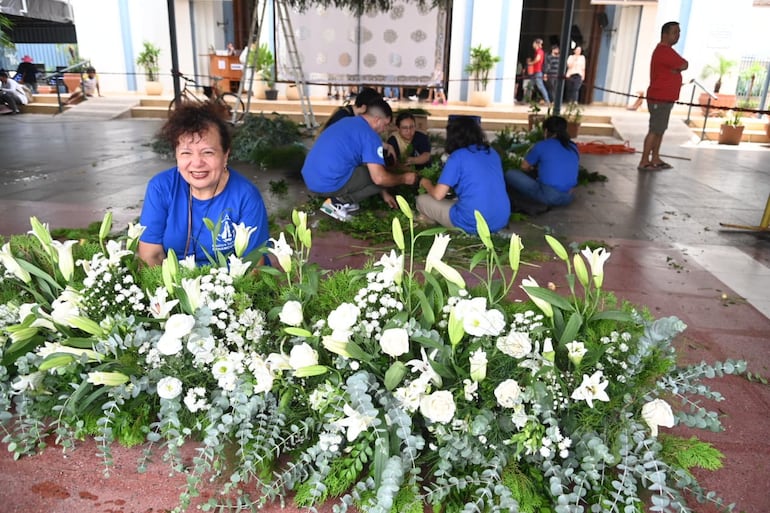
666,68
535,68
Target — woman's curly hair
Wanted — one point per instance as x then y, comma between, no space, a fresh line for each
193,118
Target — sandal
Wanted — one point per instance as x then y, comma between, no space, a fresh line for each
663,165
647,167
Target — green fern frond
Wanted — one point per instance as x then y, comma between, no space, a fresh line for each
689,453
527,493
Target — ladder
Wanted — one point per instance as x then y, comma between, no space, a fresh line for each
257,20
282,13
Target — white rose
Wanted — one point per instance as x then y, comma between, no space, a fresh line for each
394,341
508,393
302,355
438,407
516,344
169,345
179,325
263,375
344,317
169,387
658,413
291,313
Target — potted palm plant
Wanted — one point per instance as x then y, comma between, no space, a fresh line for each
149,59
722,68
481,63
731,131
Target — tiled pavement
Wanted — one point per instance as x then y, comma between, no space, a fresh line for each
668,251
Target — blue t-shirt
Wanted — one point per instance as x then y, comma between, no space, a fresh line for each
476,175
347,144
167,210
557,166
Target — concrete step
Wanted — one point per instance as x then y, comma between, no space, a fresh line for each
755,130
104,107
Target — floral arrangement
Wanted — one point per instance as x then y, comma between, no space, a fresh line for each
386,388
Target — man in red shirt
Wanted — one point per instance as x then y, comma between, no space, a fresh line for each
666,68
535,67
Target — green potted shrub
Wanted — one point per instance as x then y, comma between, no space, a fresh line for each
481,63
149,59
731,130
574,116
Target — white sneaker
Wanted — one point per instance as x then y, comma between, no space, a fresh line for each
413,98
351,207
335,210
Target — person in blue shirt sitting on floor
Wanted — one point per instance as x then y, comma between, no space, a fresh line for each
200,186
556,160
475,172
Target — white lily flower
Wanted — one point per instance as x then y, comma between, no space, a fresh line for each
50,348
188,262
278,362
10,263
135,230
424,368
355,422
592,389
110,379
596,259
42,320
575,351
282,251
159,307
543,305
478,365
192,288
477,320
237,266
263,374
392,267
64,257
26,382
242,236
115,252
433,261
335,344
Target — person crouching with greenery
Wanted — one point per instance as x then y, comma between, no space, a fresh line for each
556,160
475,172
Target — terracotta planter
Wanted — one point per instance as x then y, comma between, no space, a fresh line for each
72,81
730,134
573,129
292,93
479,98
534,120
723,100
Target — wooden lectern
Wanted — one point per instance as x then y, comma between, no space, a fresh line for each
228,67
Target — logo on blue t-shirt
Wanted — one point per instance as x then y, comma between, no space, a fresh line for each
380,152
226,238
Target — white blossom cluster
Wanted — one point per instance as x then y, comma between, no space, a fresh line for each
109,288
616,355
378,301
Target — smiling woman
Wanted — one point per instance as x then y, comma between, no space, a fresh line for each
197,208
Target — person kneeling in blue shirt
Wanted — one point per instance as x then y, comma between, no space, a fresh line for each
556,160
475,172
347,163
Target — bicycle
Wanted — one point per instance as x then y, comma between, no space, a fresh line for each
231,102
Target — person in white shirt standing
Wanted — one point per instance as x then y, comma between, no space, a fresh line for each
11,93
